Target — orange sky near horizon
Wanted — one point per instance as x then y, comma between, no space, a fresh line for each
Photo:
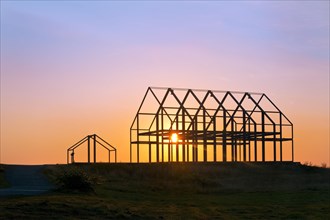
69,69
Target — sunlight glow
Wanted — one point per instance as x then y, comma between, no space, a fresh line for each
174,137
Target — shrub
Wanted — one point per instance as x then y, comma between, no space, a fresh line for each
75,179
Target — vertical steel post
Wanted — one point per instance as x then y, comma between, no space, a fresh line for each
177,143
149,150
292,143
236,145
177,152
169,151
94,136
281,136
214,139
204,136
255,143
157,138
183,137
138,139
244,138
274,141
196,141
188,146
249,125
130,146
240,151
263,135
224,138
193,140
162,132
233,143
88,148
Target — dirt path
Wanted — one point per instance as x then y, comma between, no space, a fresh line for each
25,180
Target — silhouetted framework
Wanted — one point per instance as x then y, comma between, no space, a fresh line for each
188,125
91,140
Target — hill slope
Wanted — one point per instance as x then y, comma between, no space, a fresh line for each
184,190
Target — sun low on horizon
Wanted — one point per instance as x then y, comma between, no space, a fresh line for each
75,68
174,137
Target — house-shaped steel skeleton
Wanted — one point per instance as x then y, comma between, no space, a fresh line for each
206,125
95,141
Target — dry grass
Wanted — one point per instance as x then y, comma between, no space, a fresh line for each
214,177
188,191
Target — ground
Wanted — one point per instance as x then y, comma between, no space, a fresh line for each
23,180
183,191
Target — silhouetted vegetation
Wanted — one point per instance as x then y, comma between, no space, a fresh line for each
324,165
74,179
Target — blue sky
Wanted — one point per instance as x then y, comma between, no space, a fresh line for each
65,61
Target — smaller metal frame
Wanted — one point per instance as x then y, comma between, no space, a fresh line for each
96,140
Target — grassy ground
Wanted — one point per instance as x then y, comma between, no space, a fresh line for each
184,191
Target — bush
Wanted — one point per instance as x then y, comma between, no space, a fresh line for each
75,179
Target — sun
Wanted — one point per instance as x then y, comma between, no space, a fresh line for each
174,137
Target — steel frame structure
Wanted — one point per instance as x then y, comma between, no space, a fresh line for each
94,139
237,126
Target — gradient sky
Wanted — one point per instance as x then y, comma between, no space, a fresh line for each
72,68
